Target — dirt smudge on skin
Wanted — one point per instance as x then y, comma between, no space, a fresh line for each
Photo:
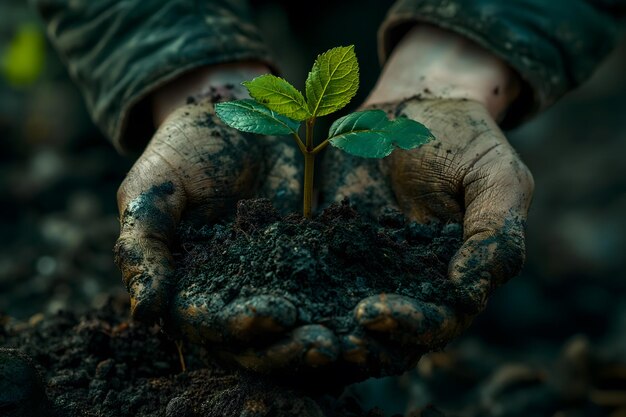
145,208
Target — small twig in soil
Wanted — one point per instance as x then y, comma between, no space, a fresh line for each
181,358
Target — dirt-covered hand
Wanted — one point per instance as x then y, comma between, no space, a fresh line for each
193,171
469,175
192,167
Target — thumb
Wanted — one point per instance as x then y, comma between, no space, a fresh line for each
497,199
150,202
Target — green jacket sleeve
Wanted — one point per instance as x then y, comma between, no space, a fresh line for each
553,44
119,51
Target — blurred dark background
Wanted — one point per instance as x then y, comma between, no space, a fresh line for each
58,178
565,314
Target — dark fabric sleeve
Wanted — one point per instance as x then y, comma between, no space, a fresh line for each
118,51
554,45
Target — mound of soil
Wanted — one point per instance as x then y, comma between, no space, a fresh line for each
324,266
101,364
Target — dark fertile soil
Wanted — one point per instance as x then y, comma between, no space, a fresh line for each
324,266
101,364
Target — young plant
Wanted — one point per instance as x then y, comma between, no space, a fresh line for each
278,108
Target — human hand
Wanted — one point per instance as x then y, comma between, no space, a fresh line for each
470,174
195,169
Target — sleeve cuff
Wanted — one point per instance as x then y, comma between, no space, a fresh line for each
532,37
118,52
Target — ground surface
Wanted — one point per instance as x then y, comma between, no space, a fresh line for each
100,364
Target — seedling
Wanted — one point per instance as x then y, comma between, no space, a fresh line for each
278,108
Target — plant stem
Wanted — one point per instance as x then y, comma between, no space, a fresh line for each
320,147
309,169
299,143
309,165
309,133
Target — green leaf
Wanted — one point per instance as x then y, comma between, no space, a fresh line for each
278,95
250,116
369,134
361,134
408,134
333,81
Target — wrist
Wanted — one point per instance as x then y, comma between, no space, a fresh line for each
430,62
202,81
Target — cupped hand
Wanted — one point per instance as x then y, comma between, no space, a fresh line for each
470,175
195,169
192,167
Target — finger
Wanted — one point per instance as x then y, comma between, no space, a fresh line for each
150,203
406,321
206,318
310,347
497,198
251,318
369,357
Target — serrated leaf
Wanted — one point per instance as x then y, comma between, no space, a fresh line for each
409,134
369,134
361,134
278,95
333,81
250,116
